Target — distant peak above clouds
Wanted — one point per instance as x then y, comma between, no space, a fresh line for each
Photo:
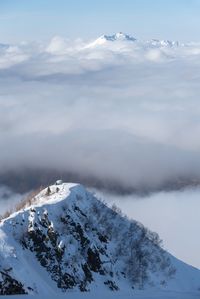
124,39
163,43
119,37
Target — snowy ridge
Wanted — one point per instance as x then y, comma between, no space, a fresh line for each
69,240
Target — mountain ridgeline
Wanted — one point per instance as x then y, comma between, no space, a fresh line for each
65,239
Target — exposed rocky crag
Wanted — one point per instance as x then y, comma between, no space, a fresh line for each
67,239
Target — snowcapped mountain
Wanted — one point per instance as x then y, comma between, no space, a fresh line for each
65,239
120,36
117,37
129,41
162,43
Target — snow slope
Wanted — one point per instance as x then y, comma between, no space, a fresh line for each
66,240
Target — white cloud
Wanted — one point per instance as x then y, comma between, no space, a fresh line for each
124,111
8,199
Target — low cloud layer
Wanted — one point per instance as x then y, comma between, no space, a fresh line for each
174,215
9,199
120,111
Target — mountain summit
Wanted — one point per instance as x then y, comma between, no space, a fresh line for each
117,37
120,36
65,239
121,40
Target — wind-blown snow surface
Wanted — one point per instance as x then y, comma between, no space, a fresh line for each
69,240
122,110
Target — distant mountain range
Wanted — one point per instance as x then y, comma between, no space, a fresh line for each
121,37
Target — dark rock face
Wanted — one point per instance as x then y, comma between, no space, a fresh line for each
94,261
9,285
43,241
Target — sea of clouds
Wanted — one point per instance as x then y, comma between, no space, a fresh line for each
122,111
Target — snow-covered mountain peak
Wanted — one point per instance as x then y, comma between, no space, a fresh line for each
57,193
65,238
117,37
124,43
163,43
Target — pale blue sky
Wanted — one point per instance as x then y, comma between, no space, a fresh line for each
41,19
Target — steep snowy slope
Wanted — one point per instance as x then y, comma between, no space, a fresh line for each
66,239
